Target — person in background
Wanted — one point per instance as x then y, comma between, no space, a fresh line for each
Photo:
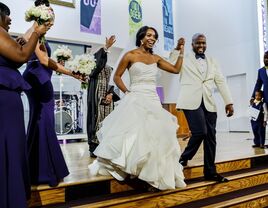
105,102
198,77
46,161
14,173
101,96
259,124
262,81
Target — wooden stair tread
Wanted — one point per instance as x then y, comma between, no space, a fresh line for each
190,172
93,179
69,190
238,200
195,191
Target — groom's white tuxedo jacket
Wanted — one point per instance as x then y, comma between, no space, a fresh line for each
194,86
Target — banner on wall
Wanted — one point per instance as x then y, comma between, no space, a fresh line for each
168,25
135,16
90,16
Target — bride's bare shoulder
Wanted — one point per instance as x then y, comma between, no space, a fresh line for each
131,54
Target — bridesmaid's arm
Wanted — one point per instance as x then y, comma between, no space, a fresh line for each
45,60
12,50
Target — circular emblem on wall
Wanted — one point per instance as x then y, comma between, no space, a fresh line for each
135,11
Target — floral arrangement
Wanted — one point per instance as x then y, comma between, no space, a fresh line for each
63,53
82,65
40,14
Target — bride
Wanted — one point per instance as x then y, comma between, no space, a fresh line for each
139,137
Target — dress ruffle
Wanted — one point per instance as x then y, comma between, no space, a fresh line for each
12,79
139,138
43,74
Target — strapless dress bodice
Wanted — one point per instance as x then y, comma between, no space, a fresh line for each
143,74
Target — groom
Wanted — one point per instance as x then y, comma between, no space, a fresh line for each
198,76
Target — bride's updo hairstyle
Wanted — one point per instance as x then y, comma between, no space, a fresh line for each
4,10
142,33
42,2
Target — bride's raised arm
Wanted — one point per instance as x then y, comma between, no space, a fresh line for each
173,68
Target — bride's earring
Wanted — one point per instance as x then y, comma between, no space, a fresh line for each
142,42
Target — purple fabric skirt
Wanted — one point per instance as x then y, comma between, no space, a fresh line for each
14,177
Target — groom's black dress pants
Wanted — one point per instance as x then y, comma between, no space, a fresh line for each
202,124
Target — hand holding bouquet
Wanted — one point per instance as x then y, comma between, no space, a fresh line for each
82,65
40,14
62,54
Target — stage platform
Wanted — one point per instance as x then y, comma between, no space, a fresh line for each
234,153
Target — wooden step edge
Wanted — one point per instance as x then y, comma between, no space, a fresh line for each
232,160
248,174
223,167
190,172
201,164
203,186
241,201
66,184
232,177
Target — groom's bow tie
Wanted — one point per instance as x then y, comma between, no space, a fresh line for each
202,56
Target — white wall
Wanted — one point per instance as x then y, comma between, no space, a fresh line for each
230,27
67,23
232,38
114,22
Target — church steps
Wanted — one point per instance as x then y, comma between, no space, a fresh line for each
196,188
256,200
193,192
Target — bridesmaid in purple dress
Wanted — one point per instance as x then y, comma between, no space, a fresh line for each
14,178
46,161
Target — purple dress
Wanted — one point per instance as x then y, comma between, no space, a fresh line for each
14,177
47,164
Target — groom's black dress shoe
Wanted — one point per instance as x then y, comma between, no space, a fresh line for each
183,162
216,177
92,155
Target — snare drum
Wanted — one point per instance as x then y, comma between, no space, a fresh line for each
63,122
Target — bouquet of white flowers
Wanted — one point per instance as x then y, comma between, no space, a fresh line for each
82,65
63,53
40,14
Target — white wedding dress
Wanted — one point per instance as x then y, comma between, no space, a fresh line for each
139,136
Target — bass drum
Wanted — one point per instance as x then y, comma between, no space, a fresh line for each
63,122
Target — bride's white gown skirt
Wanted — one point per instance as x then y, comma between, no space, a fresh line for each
139,138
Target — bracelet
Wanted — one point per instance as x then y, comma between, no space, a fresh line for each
37,33
126,92
181,55
106,49
52,64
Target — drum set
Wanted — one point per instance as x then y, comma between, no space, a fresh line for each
68,113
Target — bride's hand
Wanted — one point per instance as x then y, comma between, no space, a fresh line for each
180,44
